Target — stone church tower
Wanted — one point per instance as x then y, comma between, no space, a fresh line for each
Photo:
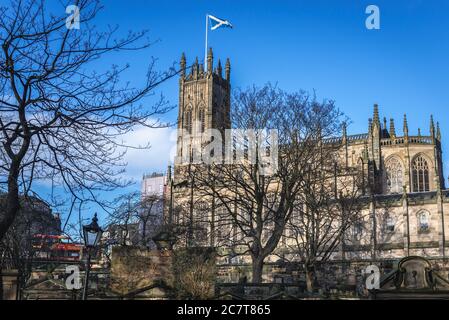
204,100
394,162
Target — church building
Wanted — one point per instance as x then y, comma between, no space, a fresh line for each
408,208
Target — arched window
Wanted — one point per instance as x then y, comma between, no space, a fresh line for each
420,172
201,222
202,119
394,174
357,231
389,224
188,121
423,221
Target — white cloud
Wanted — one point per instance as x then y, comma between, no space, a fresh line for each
162,143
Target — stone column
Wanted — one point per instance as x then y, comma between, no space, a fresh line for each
441,231
405,218
373,241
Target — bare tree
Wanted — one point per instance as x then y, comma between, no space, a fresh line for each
18,248
328,208
252,208
135,219
61,112
123,224
150,217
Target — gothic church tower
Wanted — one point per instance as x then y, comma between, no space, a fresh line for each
204,99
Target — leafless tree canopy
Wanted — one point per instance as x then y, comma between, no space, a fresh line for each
135,220
329,207
61,115
251,210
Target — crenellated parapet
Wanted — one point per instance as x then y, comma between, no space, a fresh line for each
197,72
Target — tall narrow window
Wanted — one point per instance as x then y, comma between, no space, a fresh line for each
188,121
357,231
389,224
393,169
420,172
362,178
423,221
202,118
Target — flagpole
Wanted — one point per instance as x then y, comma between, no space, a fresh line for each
205,49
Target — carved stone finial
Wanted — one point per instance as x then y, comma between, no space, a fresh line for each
432,127
195,68
376,114
405,126
228,70
210,60
392,129
219,69
438,132
183,65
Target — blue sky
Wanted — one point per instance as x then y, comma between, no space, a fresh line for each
312,45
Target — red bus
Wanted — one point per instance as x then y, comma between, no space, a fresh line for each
56,247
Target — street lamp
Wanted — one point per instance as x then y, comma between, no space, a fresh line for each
91,234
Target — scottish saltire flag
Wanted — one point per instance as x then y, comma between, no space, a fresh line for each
216,23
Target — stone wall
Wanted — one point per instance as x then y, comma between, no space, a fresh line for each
134,269
184,273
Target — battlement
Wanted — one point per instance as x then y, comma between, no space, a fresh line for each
197,71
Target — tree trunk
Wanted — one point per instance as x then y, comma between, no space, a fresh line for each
144,235
257,269
1,283
310,278
12,200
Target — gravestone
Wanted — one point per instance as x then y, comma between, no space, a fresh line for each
414,278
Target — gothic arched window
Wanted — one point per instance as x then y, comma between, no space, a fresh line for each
188,121
420,172
394,174
423,221
390,223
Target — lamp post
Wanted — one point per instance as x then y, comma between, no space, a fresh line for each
91,234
